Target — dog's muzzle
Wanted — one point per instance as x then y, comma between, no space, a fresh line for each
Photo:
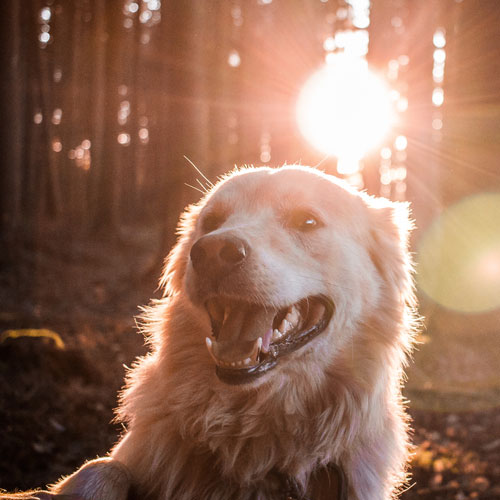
249,339
216,256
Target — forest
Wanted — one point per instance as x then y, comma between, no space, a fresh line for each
117,114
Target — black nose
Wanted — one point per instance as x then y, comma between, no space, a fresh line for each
217,255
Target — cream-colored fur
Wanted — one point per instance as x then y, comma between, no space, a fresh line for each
336,399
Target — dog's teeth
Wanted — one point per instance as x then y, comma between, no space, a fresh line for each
256,350
292,316
253,358
285,326
276,334
208,341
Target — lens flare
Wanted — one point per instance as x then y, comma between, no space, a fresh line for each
459,256
344,110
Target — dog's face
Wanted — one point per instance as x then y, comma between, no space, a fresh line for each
281,263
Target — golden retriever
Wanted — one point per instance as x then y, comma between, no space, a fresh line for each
277,354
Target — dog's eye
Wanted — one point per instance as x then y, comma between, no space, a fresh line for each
211,222
304,221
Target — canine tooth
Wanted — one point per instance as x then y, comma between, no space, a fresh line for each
256,350
247,361
208,341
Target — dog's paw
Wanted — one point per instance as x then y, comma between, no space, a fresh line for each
104,478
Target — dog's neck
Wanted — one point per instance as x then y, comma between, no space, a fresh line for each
269,424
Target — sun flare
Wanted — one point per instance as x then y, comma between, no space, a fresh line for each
344,109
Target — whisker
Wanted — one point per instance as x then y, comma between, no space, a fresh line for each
202,185
321,161
195,188
199,171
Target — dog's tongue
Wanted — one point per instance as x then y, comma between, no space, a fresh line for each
246,324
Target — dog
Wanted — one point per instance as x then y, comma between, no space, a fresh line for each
277,353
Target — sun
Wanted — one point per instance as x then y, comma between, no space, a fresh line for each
344,109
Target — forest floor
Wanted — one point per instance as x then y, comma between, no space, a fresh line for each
73,304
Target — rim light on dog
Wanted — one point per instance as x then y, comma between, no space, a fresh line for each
344,109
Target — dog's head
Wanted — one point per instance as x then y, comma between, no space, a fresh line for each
282,263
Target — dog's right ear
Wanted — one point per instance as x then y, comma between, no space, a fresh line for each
178,258
390,226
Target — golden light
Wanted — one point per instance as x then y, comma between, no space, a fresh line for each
439,56
144,135
133,7
345,110
437,123
437,97
439,38
56,145
56,116
385,153
400,143
123,139
45,14
234,59
459,256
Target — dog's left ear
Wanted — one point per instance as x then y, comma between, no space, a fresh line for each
390,227
178,258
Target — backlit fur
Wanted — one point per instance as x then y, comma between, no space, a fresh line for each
337,399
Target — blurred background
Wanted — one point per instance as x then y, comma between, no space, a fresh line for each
115,111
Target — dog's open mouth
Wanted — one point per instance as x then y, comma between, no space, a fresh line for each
249,339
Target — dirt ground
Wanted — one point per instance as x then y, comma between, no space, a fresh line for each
67,330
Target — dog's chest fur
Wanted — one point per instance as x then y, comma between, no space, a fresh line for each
247,448
245,444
